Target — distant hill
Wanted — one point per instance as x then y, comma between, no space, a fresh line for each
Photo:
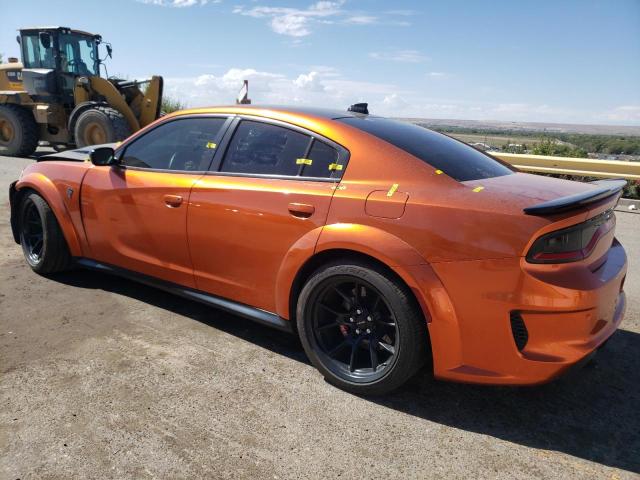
529,126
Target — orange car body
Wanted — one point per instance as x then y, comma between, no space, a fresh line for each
460,246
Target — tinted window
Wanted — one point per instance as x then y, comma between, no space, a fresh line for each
187,144
322,157
35,54
456,159
261,148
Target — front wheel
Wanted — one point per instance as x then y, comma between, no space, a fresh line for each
43,244
100,124
361,328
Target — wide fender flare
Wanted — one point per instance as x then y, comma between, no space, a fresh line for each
299,254
403,259
47,190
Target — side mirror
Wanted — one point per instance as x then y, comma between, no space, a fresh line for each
109,50
103,156
45,39
18,39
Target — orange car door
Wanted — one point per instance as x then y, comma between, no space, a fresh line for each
272,188
135,212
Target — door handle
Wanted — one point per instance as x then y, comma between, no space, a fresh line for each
301,210
173,201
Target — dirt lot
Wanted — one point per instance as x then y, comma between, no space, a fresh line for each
104,378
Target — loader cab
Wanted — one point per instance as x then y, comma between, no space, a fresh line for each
53,57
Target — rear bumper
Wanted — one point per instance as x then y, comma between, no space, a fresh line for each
568,312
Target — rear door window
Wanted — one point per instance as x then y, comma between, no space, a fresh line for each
324,161
263,149
457,159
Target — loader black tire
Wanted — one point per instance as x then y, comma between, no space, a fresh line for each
100,124
18,131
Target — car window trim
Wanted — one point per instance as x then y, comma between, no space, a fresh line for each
334,177
274,176
121,150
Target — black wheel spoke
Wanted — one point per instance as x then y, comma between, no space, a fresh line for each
354,353
32,233
358,293
376,302
344,296
328,325
340,346
389,348
354,329
331,310
37,247
373,355
386,324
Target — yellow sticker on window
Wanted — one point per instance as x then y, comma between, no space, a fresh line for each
304,161
211,145
335,166
392,190
478,189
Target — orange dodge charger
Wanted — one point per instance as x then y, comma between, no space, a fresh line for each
385,246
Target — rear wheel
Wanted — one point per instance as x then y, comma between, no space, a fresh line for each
361,328
18,131
43,243
100,125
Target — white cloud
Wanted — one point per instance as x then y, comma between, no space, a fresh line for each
178,3
624,113
394,101
326,87
403,56
293,22
322,86
310,81
438,75
362,20
292,25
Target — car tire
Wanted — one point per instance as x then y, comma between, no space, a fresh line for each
43,244
18,131
370,313
99,125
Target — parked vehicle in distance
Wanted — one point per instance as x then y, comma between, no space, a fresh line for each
384,245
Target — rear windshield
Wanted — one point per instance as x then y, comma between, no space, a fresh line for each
456,159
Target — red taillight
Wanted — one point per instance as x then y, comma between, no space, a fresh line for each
573,243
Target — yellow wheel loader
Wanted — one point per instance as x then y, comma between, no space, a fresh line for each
56,95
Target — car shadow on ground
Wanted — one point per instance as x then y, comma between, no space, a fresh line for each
592,413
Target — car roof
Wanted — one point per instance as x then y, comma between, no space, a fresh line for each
264,110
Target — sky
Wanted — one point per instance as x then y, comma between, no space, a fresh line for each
560,61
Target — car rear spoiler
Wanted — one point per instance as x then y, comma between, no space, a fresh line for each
606,188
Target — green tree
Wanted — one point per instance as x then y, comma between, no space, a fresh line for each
171,105
548,147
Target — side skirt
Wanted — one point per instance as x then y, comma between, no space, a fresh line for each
252,313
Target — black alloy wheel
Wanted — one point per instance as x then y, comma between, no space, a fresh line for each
361,327
32,234
43,244
355,329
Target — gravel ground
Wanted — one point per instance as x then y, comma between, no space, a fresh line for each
104,378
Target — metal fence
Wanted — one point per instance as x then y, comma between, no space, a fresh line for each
572,166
